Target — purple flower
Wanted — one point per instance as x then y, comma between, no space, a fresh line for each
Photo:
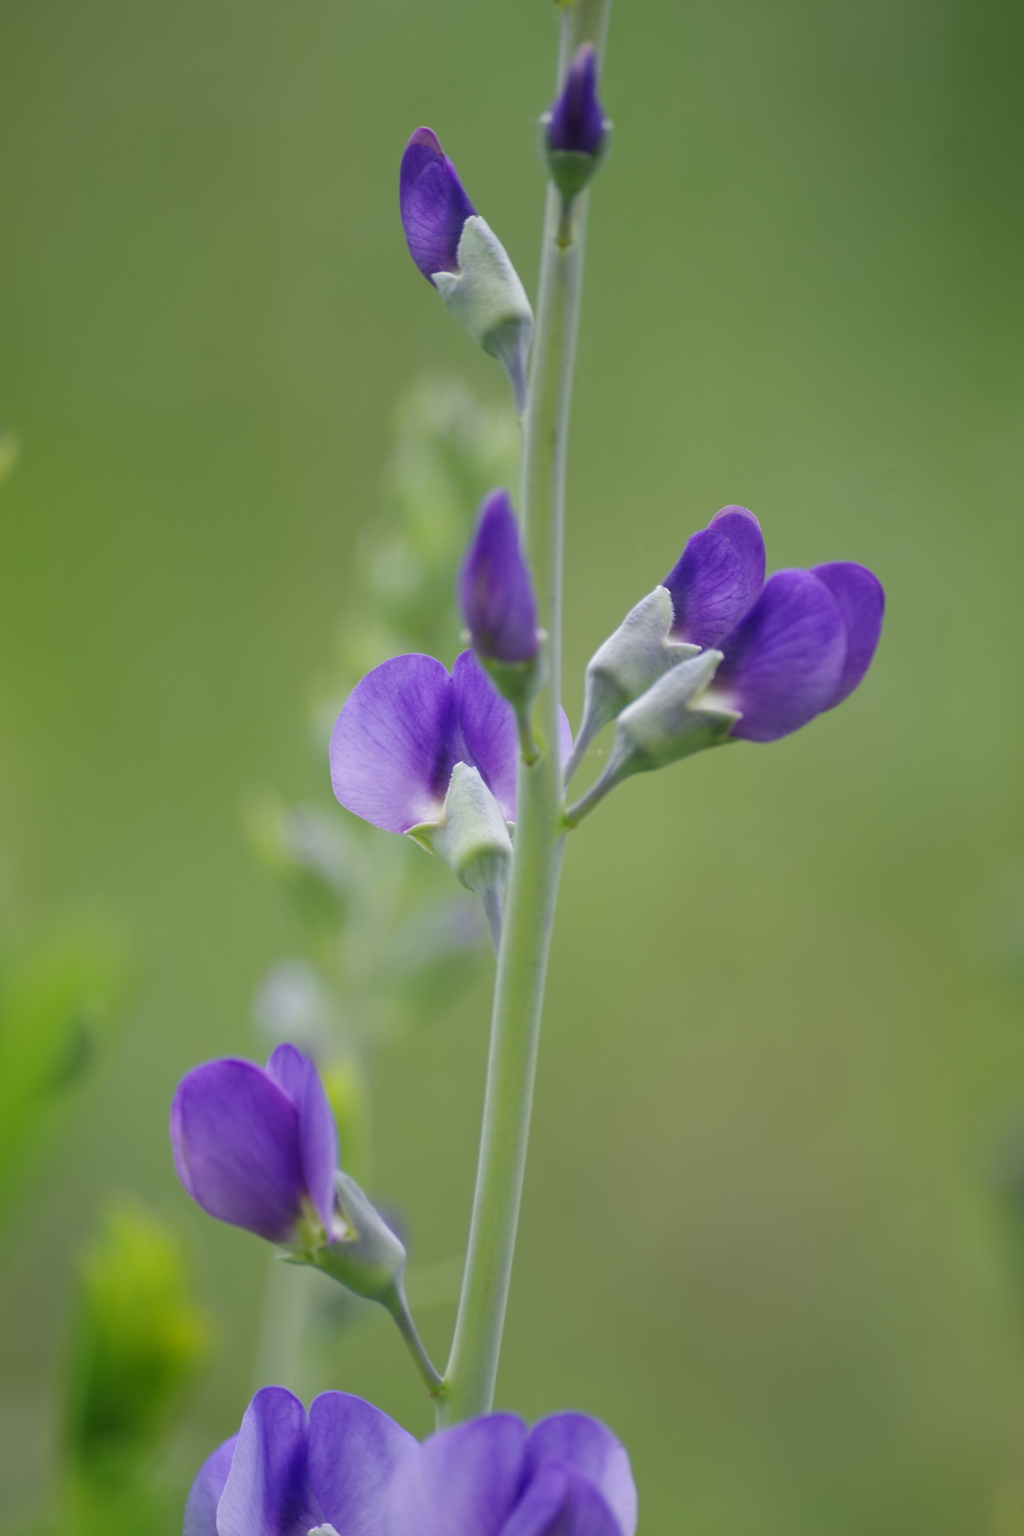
350,1467
406,725
576,120
495,590
257,1146
793,646
433,204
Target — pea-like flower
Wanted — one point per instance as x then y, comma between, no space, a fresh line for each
716,652
257,1147
460,254
350,1469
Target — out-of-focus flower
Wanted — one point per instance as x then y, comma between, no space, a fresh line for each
257,1146
350,1468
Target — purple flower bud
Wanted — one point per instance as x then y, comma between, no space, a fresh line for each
576,120
351,1467
717,578
257,1146
433,204
495,590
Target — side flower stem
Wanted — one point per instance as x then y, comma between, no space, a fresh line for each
469,1381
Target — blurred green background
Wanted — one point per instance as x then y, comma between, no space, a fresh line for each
764,1234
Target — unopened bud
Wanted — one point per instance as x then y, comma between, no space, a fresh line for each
575,130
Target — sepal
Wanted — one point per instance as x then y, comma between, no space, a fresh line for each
664,725
472,838
368,1258
633,658
487,297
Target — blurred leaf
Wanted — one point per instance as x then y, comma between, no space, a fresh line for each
57,1004
139,1340
311,851
10,449
344,1081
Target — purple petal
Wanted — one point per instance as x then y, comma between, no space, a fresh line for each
576,121
718,577
318,1135
489,729
462,1482
267,1492
784,661
590,1447
495,590
354,1450
235,1136
396,742
561,1502
433,204
861,598
204,1496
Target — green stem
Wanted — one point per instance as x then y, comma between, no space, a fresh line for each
530,904
399,1309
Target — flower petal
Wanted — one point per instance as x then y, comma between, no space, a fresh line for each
433,204
267,1492
590,1447
560,1501
461,1482
576,120
396,742
784,661
495,590
318,1135
861,597
489,730
354,1450
717,578
204,1495
235,1136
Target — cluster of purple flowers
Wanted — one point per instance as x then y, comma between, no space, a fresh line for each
349,1469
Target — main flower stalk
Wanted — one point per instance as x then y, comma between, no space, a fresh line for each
468,1388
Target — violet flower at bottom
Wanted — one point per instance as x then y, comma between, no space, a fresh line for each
349,1467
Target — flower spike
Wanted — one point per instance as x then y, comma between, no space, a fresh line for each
458,252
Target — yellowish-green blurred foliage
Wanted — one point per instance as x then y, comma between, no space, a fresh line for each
139,1341
58,1003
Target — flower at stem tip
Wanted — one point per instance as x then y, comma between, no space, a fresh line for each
460,254
347,1467
576,131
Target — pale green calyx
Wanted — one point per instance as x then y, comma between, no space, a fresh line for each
368,1258
665,724
624,667
472,838
486,296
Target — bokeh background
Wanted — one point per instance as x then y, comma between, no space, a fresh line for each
769,1227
